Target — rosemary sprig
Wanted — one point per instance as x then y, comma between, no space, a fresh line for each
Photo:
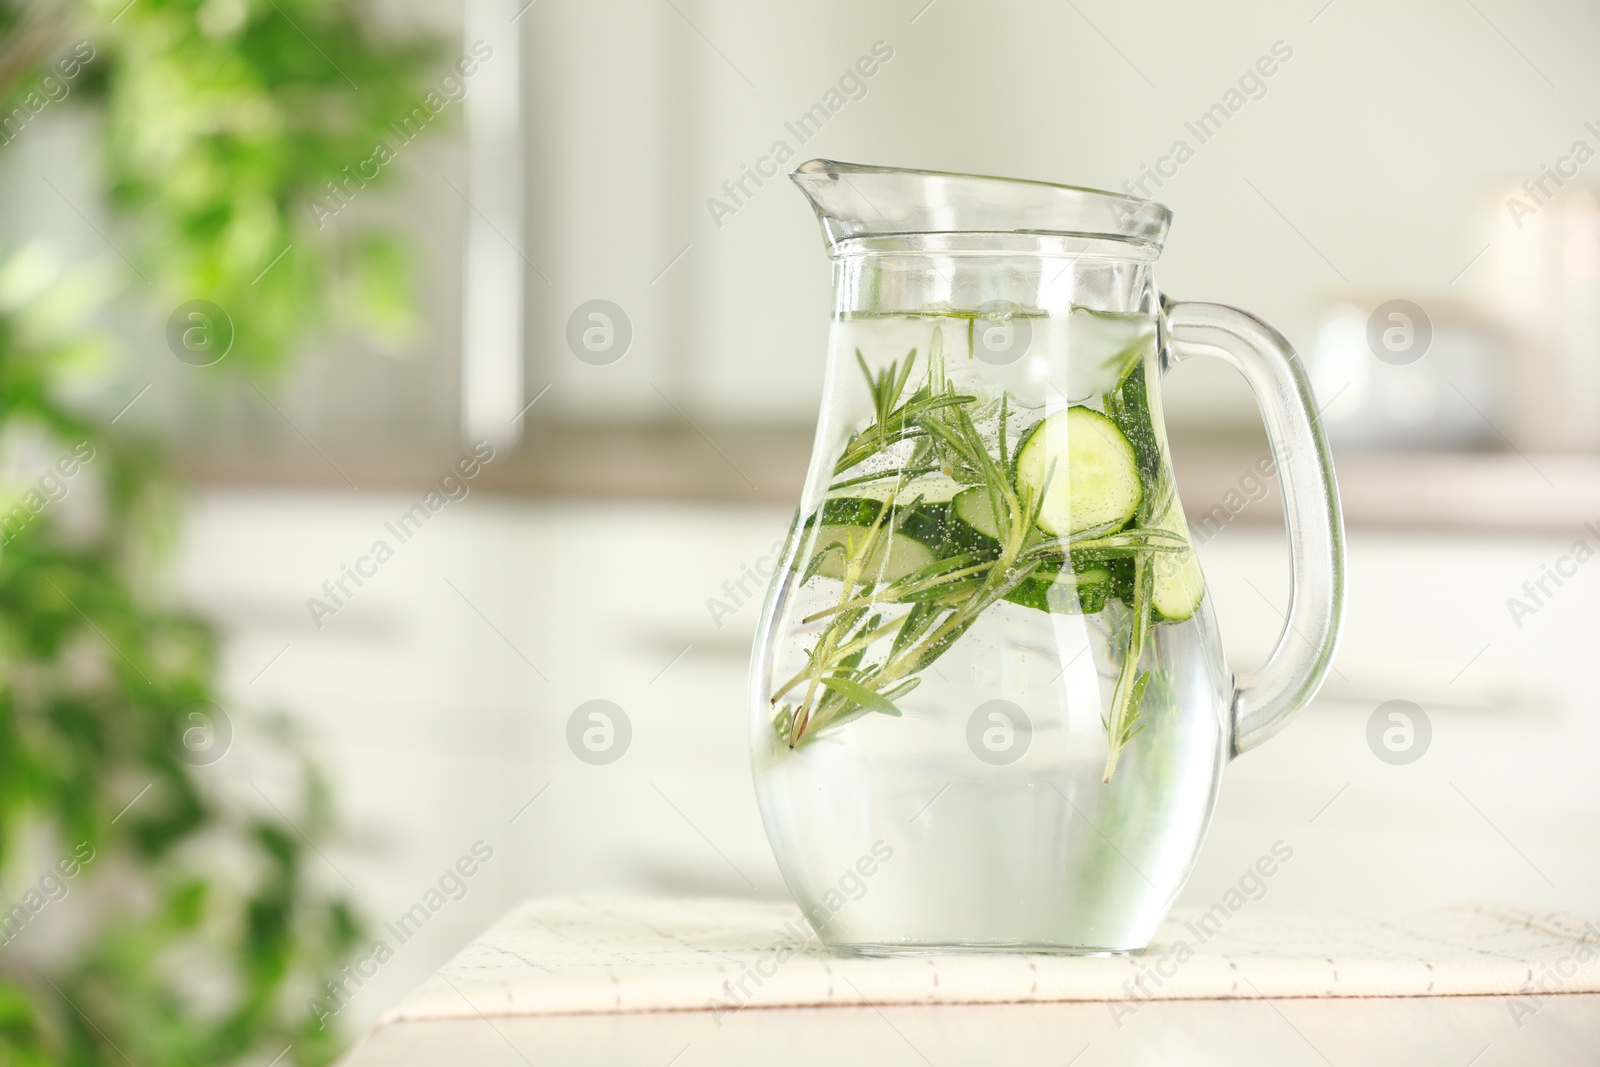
1136,542
886,387
1122,719
941,601
907,472
1128,407
945,597
891,423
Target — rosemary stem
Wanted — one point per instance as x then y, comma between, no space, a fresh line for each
899,596
1122,713
855,563
849,648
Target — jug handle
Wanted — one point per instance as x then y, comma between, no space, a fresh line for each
1264,701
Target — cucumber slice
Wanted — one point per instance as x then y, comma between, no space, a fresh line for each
931,488
926,522
849,511
1085,468
1054,587
1064,592
1179,586
1129,407
894,555
974,509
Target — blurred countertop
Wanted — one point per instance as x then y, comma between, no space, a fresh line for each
1460,491
1483,491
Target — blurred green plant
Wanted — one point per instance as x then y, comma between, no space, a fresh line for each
217,124
221,122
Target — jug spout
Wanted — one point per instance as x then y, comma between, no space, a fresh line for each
852,200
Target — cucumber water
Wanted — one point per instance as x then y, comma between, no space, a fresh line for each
958,498
984,539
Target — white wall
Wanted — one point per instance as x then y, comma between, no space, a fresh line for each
1378,155
1387,143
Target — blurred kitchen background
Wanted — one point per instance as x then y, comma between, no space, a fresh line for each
1385,198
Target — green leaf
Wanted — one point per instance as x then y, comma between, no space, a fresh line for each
903,688
861,695
1135,707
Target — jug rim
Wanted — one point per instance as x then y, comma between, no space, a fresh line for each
983,244
854,200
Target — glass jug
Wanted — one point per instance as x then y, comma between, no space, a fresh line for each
989,706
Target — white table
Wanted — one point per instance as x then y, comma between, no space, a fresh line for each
637,981
1416,1032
